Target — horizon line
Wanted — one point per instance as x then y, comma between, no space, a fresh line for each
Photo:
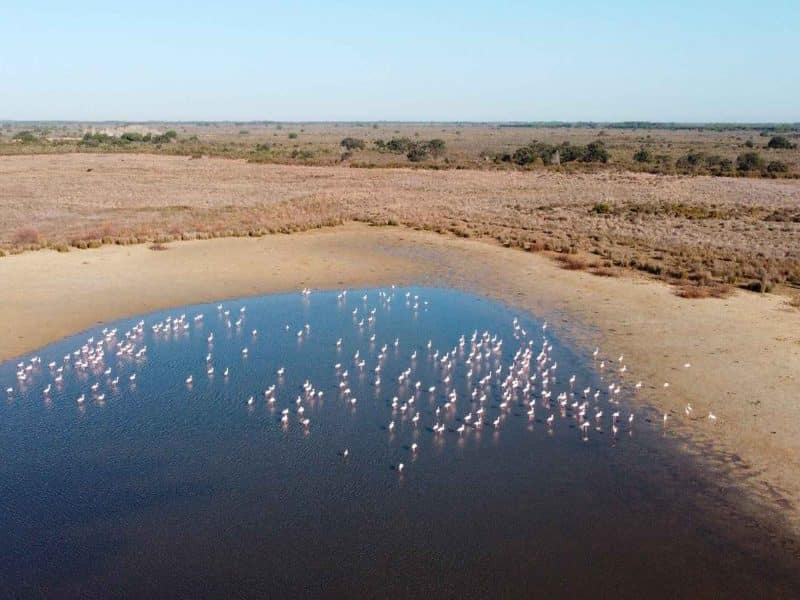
511,122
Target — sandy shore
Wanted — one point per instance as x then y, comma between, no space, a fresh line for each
744,350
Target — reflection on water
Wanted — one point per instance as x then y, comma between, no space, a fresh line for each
383,441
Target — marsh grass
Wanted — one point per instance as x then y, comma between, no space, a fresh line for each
695,231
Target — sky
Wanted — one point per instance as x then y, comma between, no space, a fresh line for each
698,61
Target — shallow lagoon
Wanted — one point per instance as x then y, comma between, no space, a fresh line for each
159,487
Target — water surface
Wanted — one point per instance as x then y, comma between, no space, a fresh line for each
159,487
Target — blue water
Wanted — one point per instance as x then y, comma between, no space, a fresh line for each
158,487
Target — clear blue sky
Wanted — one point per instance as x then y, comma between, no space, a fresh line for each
241,60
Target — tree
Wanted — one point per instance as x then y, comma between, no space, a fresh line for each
778,142
749,161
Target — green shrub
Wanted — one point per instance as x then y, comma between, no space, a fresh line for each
95,139
302,154
778,142
350,144
164,138
595,152
417,152
436,147
691,160
749,161
399,145
777,166
524,156
569,153
563,153
131,136
642,155
601,208
25,137
293,136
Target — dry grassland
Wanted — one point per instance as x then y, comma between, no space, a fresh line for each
698,232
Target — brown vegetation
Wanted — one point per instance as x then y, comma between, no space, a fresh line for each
571,263
26,236
698,231
702,291
603,272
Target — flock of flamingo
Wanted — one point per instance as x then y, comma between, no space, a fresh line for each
472,386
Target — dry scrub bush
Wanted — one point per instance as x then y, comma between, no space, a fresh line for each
26,236
702,291
604,272
571,263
